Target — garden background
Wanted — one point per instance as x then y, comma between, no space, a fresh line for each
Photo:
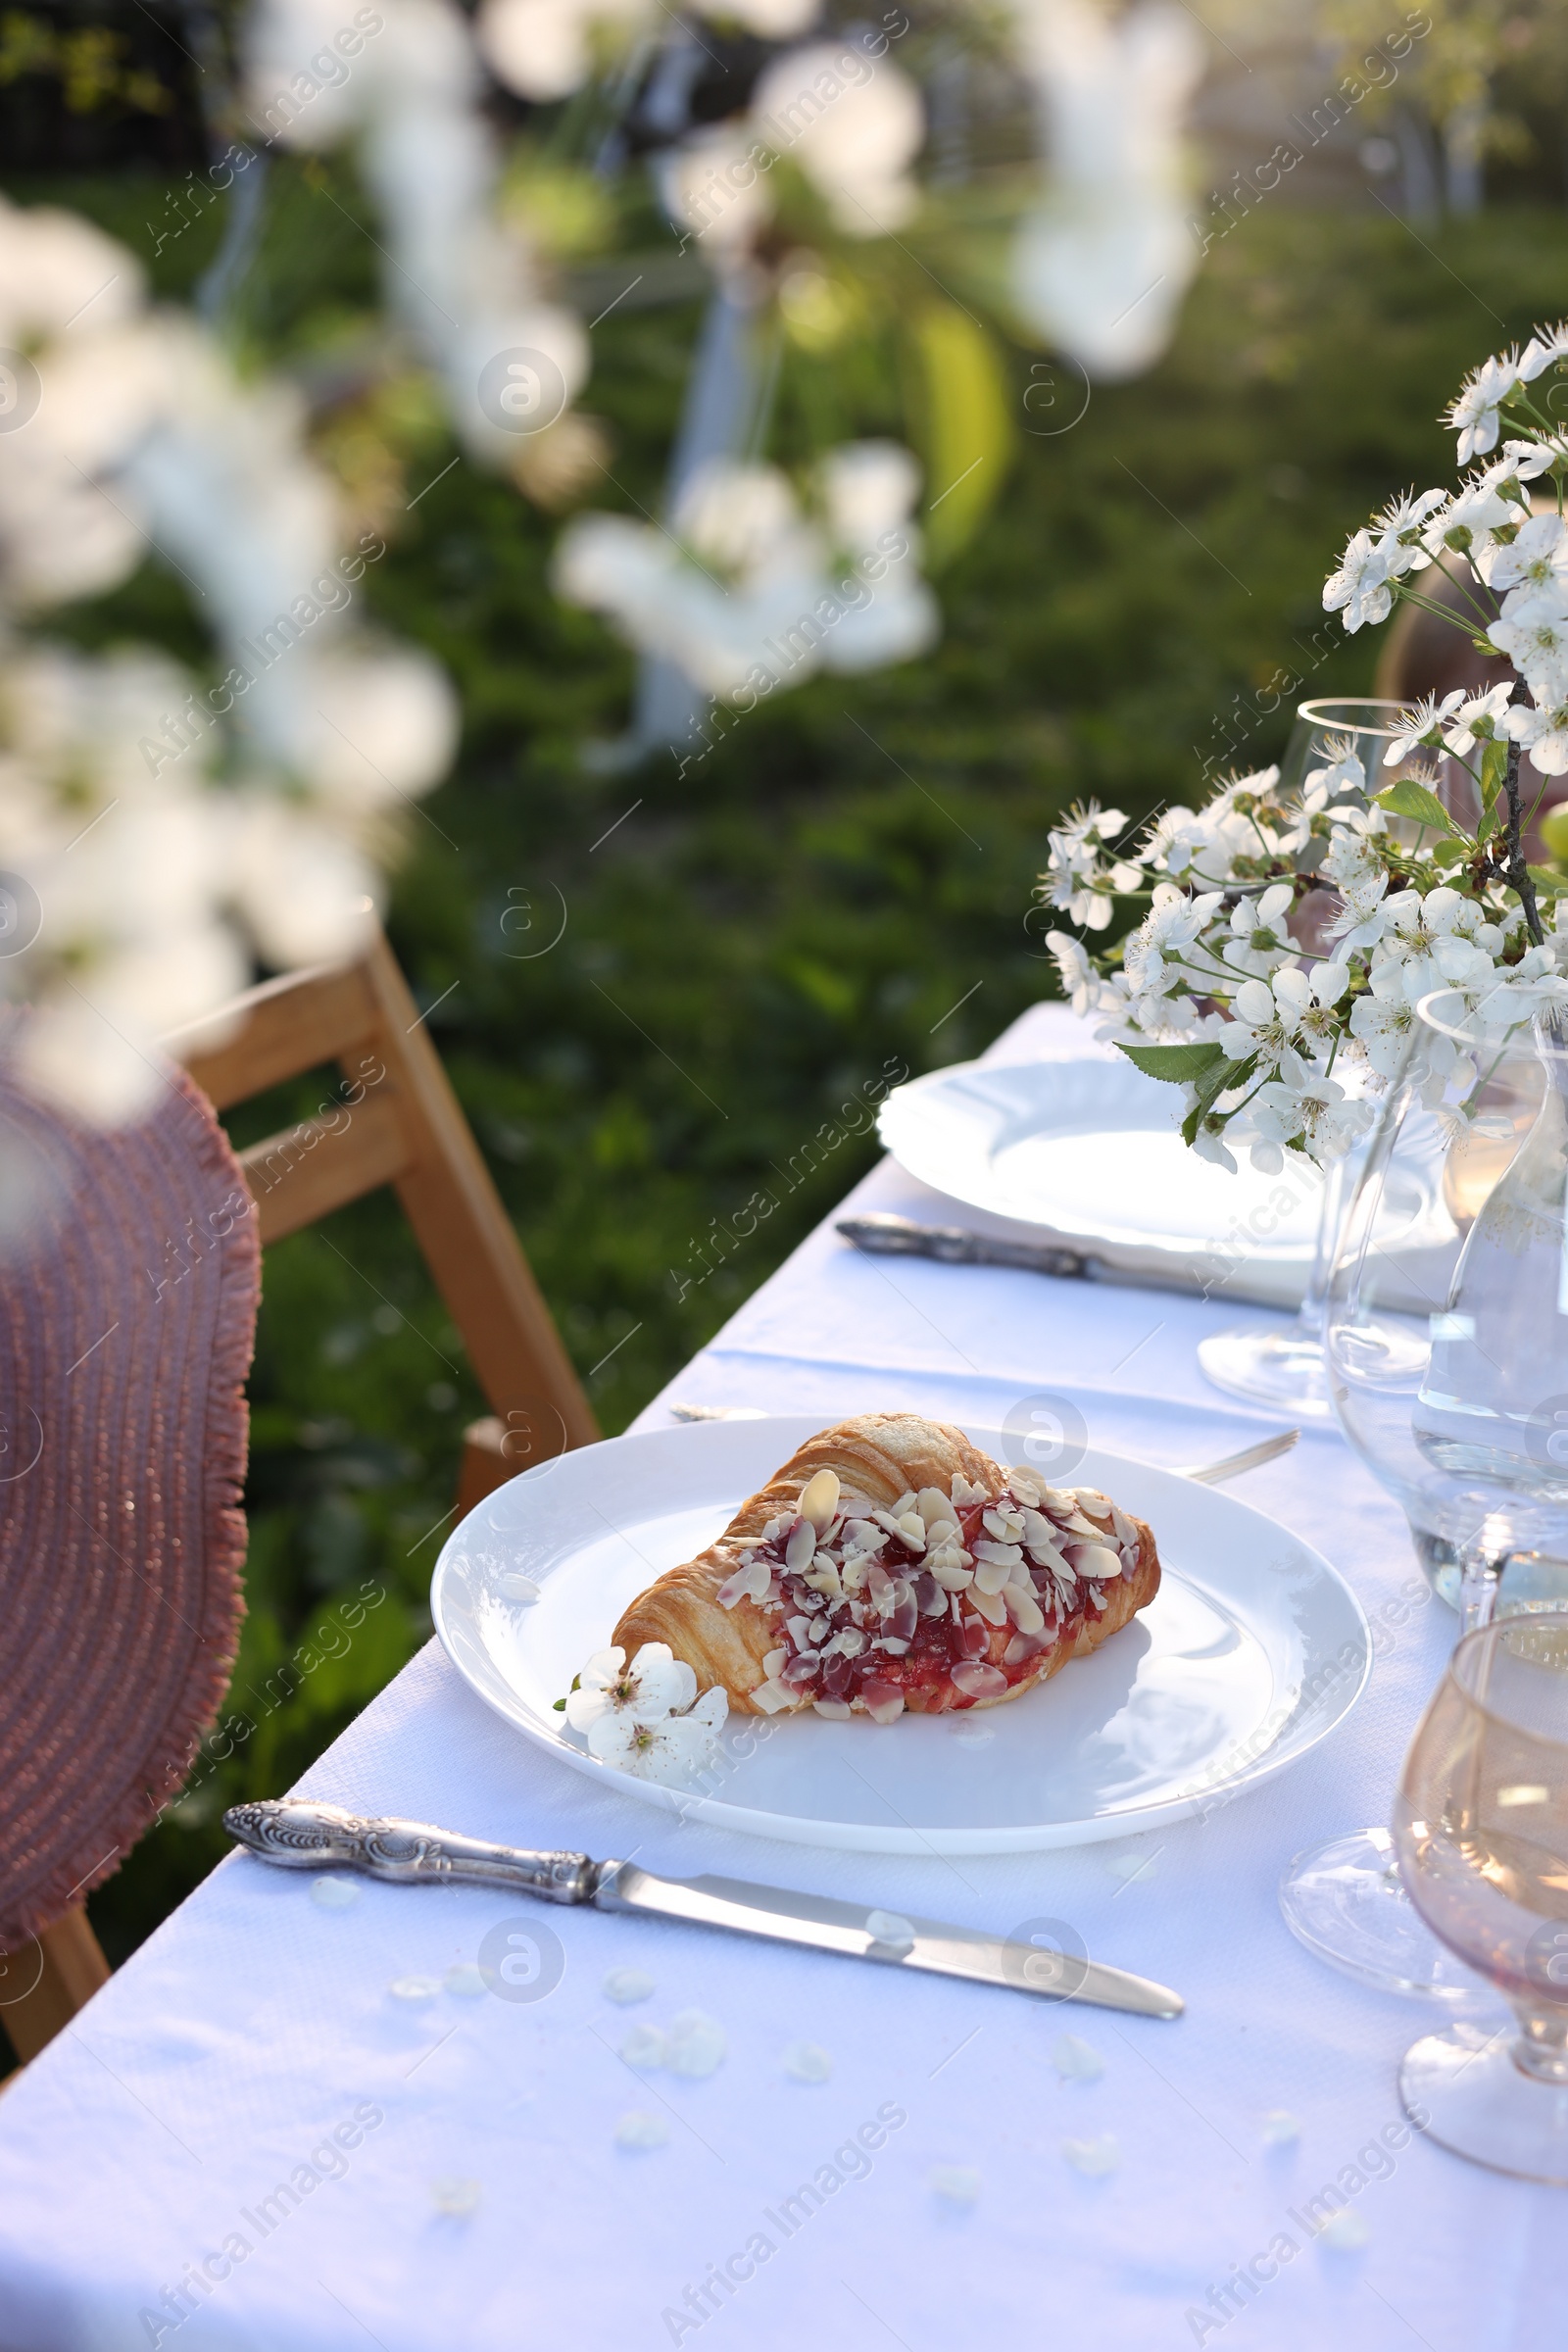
844,879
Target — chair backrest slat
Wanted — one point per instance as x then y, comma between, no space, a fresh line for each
309,1170
277,1030
398,1123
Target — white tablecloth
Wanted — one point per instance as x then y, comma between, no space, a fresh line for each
256,2025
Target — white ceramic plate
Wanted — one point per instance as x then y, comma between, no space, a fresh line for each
1090,1152
1251,1651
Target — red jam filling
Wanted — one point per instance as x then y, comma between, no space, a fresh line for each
896,1635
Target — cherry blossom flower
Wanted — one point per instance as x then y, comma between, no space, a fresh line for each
1259,942
1421,723
1533,634
656,1684
1474,413
1477,719
1360,588
1543,729
668,1749
1546,347
1316,1108
1468,523
1538,559
1400,540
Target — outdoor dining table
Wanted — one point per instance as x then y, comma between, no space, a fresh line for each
459,2183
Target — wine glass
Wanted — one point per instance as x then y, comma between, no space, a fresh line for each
1481,1831
1282,1364
1446,1346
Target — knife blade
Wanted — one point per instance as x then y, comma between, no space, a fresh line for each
883,1235
931,1944
297,1834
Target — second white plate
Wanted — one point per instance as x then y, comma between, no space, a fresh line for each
1251,1651
1089,1151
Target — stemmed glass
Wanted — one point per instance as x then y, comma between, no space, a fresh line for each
1282,1364
1481,1830
1447,1347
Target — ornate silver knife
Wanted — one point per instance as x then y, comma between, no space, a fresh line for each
887,1236
302,1836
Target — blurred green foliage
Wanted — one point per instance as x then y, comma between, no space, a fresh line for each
756,937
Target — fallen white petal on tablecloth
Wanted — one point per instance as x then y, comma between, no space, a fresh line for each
957,2180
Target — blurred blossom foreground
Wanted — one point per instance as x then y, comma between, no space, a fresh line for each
155,838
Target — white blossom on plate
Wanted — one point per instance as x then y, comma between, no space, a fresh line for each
656,1684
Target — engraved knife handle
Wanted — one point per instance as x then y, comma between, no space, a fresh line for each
886,1234
301,1835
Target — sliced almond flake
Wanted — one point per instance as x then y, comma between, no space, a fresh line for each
820,1500
1024,1488
932,1505
989,1605
1009,1556
951,1577
1024,1610
773,1699
1091,1499
1097,1599
893,1645
1126,1533
774,1663
977,1680
905,1503
1096,1561
800,1547
836,1708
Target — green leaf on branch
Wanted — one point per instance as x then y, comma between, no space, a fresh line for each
1452,851
1218,1081
1412,800
1549,880
1180,1065
1494,770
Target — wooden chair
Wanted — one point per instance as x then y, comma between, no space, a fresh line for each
400,1124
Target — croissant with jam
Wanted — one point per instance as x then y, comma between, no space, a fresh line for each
891,1565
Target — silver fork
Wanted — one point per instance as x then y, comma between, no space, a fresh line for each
1202,1474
